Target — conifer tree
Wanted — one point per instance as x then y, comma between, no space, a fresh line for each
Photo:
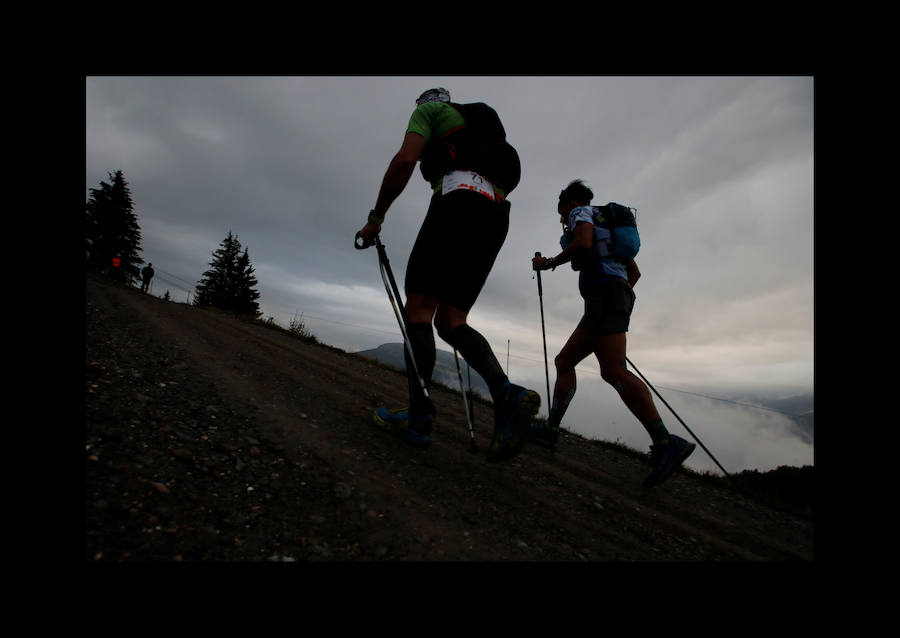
246,296
112,225
228,284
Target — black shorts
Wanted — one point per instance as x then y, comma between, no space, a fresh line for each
456,248
607,308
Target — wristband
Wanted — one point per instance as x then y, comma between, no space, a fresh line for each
375,219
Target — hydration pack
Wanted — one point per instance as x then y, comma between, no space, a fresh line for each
478,145
615,235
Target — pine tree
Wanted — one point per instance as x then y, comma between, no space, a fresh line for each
112,226
217,283
228,284
246,296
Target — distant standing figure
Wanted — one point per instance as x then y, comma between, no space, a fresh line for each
147,275
115,271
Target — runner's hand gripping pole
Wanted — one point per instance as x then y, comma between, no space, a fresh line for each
360,242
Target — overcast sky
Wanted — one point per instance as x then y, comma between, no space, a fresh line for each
719,168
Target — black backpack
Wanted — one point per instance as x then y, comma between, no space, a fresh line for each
478,145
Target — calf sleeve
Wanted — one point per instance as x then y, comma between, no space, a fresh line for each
421,339
477,352
558,409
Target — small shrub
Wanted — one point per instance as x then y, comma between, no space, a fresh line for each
299,329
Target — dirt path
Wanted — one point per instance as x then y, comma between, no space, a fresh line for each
209,438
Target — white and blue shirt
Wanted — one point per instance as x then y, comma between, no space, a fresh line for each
600,266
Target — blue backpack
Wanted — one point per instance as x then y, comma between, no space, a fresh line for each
615,234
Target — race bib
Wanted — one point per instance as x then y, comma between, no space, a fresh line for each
467,180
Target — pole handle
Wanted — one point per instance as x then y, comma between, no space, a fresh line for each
359,242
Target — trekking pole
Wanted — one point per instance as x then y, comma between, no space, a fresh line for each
507,357
544,332
679,418
387,276
462,389
471,401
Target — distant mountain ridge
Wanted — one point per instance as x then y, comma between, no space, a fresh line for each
391,354
798,408
799,405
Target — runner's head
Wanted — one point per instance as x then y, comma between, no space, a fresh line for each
574,195
433,95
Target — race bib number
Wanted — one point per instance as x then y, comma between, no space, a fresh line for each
467,180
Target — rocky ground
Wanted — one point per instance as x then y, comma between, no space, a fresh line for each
208,438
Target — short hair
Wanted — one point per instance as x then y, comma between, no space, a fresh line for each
578,191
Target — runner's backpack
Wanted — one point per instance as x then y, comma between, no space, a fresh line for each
615,234
478,145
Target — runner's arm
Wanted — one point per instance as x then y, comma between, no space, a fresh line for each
583,239
399,171
395,180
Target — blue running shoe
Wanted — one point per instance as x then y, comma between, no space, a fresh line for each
544,434
416,431
513,413
666,458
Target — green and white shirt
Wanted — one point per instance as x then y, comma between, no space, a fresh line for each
434,119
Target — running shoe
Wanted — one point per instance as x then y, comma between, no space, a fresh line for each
513,413
416,431
544,434
666,458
